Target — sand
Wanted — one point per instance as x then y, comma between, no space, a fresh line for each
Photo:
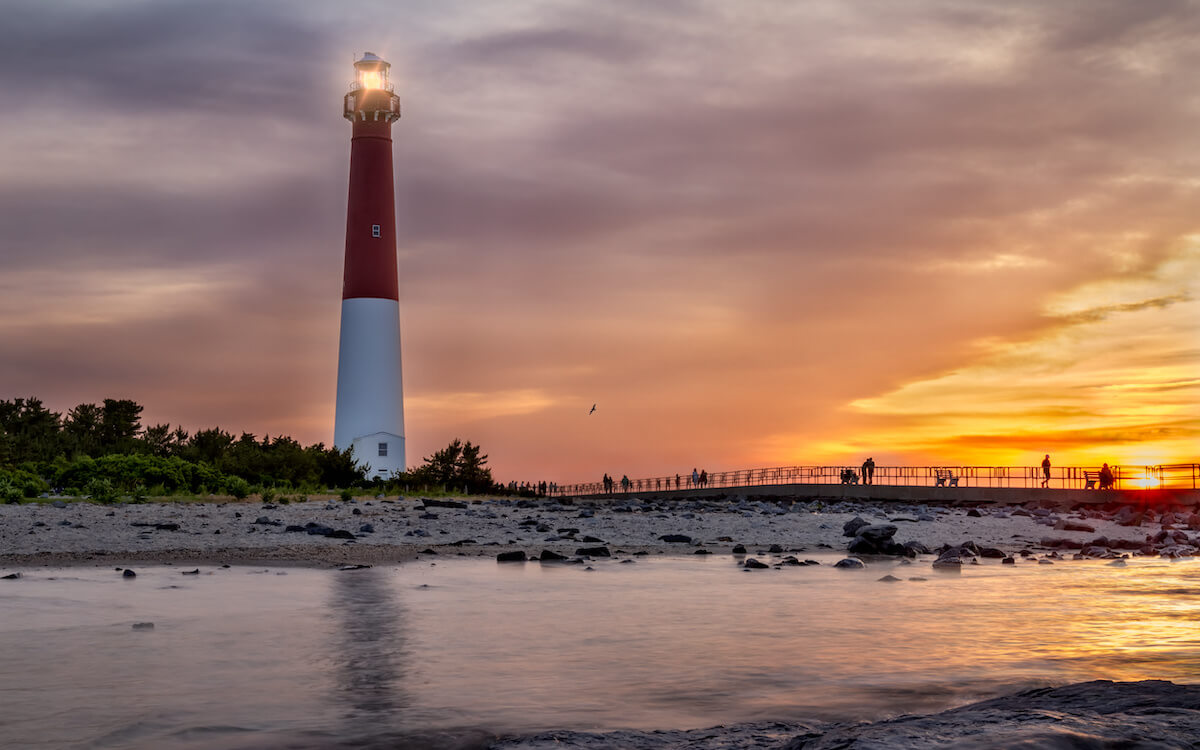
84,533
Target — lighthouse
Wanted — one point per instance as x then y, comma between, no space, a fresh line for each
370,398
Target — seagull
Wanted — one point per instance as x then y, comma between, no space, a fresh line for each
593,409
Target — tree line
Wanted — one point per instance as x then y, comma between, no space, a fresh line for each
103,451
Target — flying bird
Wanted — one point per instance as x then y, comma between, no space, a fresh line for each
593,409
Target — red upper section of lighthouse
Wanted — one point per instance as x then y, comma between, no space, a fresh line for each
371,208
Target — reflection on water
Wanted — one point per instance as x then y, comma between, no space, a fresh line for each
409,656
369,647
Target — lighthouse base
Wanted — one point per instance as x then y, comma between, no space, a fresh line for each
370,393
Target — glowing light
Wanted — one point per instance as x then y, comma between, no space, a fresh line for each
370,79
1143,483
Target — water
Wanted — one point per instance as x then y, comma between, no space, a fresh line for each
450,654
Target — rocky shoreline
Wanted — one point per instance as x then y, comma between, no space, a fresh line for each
1098,714
769,531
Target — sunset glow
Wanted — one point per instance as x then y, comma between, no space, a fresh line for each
751,237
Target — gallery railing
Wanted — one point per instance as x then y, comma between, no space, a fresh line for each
1061,477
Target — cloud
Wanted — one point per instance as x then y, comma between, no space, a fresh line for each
725,224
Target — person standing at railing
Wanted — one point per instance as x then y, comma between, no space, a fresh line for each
1046,470
676,481
625,483
695,477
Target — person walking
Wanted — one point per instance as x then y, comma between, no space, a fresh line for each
1046,470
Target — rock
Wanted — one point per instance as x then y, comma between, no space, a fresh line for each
972,513
10,577
292,528
128,574
143,626
1117,564
1097,714
356,512
775,549
877,533
428,516
593,552
366,528
428,503
195,572
1009,561
551,556
851,527
850,563
1065,525
1044,561
591,540
992,552
675,539
889,579
59,504
948,564
738,549
916,548
517,556
340,534
172,526
702,551
753,564
354,567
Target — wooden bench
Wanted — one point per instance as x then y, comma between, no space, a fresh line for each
1090,479
944,477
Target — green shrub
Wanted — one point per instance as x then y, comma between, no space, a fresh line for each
237,487
346,495
267,494
9,491
102,491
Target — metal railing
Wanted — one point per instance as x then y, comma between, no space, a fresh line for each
1061,477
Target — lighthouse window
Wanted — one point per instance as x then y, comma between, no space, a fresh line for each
383,449
374,230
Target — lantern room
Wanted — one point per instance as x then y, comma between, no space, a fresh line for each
371,94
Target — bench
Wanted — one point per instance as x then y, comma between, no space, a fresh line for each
944,477
1092,479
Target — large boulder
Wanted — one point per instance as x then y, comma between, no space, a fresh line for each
851,527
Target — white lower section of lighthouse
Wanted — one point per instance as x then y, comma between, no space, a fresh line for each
370,394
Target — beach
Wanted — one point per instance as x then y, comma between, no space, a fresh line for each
401,529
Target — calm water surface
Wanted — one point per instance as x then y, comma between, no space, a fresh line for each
291,657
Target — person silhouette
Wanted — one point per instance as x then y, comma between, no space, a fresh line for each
1046,470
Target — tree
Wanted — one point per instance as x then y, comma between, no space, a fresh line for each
82,430
459,464
120,425
28,431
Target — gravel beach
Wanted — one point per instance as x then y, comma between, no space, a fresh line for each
390,530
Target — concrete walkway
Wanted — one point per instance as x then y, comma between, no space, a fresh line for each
929,495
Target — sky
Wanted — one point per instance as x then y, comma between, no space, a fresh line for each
752,233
